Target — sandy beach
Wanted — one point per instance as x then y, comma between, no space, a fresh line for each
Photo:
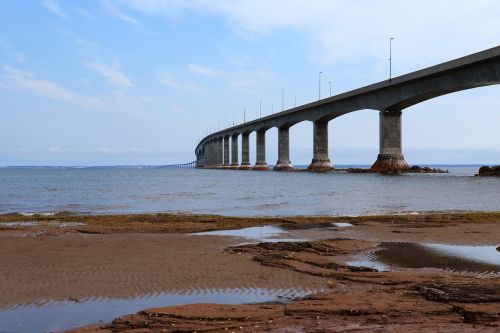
75,258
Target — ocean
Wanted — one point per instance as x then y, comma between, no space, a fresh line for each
136,189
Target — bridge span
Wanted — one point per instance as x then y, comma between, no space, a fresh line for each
389,98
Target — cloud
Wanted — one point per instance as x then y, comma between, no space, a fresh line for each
169,80
116,102
115,11
112,75
202,70
337,31
53,7
10,51
244,81
26,82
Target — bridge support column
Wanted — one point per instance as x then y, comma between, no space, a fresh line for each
226,152
390,157
213,153
245,151
261,163
219,148
283,163
234,151
320,161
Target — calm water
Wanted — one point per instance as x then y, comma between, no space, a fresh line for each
155,189
61,315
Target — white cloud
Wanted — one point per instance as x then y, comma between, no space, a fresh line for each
171,81
244,81
115,11
83,13
117,102
53,7
26,82
203,70
336,31
112,75
10,51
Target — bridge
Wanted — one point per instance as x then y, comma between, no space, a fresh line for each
182,165
389,98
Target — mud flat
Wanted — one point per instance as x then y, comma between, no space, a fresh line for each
329,280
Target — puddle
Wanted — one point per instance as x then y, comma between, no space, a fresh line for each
65,224
62,315
19,224
342,224
482,260
283,233
258,233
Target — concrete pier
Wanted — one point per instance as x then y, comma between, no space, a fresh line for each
283,163
234,151
227,162
320,161
261,163
390,157
220,152
245,151
210,154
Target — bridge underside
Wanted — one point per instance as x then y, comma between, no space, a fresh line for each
388,97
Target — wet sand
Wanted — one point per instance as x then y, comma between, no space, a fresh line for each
78,267
128,256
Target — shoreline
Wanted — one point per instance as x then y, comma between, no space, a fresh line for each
65,222
76,258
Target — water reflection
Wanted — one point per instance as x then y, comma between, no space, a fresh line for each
61,315
484,260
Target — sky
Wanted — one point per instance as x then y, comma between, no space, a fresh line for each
140,82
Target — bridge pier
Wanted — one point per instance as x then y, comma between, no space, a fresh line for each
260,163
226,152
320,161
390,157
220,152
213,153
283,163
245,151
234,151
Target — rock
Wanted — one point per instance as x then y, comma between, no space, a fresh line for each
419,169
489,171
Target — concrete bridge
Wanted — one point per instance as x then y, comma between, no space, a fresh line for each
389,97
182,165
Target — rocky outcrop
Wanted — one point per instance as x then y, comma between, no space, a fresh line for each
419,169
489,171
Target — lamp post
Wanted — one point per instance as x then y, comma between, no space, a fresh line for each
244,115
260,108
319,86
295,99
390,58
330,83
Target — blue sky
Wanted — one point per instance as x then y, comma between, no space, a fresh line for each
110,82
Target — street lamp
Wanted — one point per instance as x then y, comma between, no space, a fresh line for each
319,86
330,83
244,115
390,58
260,108
295,99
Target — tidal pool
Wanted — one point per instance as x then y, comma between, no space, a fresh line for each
53,316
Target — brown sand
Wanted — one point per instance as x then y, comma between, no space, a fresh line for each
127,256
36,270
359,299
